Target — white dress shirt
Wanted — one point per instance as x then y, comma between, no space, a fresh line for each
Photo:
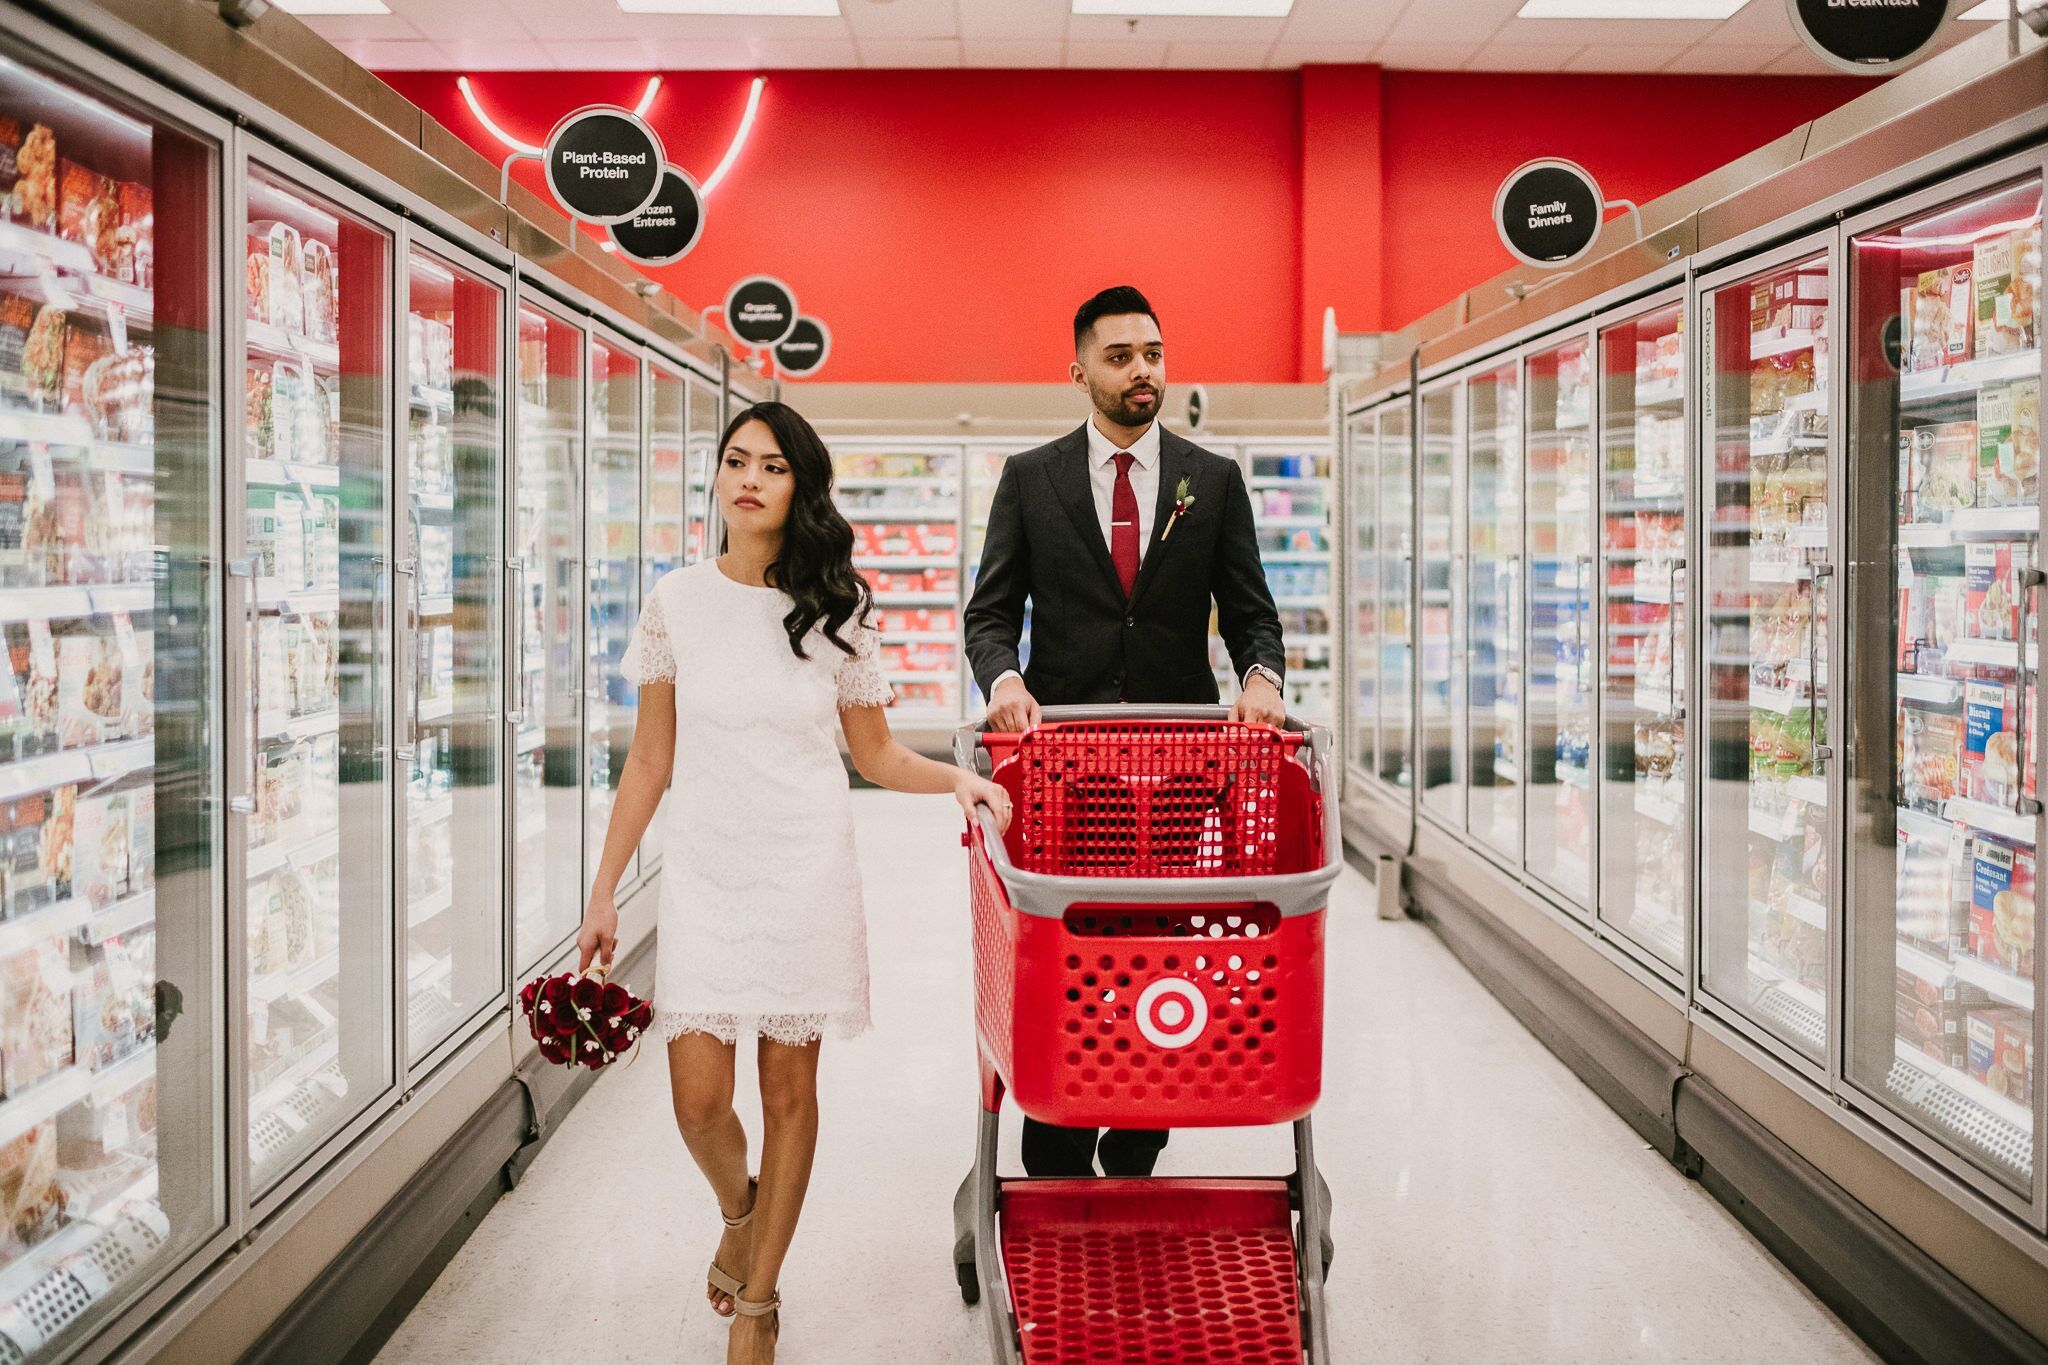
1102,453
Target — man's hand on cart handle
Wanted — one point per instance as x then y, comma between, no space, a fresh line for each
1260,703
1012,710
971,791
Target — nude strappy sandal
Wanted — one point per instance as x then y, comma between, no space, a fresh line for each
718,1277
771,1308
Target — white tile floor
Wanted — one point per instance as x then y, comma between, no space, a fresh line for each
1488,1206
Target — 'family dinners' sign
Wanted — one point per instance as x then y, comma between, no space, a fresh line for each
1548,212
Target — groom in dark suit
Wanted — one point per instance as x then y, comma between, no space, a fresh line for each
1119,535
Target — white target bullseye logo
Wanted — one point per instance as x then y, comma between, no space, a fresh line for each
1172,1013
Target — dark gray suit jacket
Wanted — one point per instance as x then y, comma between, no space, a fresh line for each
1089,645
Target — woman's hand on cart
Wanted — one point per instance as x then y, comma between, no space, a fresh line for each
971,791
599,936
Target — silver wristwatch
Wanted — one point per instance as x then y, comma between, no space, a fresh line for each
1260,670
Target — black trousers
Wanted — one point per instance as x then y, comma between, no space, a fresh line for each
1052,1150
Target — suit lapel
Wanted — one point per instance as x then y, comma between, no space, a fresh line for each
1069,474
1174,465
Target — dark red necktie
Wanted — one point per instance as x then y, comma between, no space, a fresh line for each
1123,524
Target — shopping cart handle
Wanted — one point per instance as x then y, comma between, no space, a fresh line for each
968,739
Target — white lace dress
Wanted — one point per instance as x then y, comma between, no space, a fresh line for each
762,926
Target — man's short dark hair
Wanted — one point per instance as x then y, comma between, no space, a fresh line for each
1109,303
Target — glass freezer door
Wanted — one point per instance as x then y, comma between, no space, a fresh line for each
317,891
1493,633
1397,565
547,640
1443,697
1361,477
1560,503
111,1087
614,601
450,573
1946,413
1768,878
701,458
1644,850
664,531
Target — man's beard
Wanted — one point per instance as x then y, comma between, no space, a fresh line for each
1118,409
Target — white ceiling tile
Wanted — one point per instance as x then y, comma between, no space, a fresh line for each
1424,56
341,28
546,20
483,54
909,52
1001,52
1015,20
1730,59
1341,21
1756,24
1617,57
602,54
1523,57
1101,28
1679,33
800,54
1135,55
902,19
1217,56
726,54
1287,55
1465,21
395,56
466,20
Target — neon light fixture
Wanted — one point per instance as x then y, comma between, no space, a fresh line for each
732,152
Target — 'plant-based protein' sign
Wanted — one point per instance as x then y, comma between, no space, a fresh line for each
603,164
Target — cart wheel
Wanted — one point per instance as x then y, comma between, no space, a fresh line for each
970,1283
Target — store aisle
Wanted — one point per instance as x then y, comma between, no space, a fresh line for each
1488,1206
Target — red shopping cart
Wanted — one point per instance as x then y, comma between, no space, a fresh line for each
1148,953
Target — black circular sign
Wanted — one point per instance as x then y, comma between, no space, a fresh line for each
804,350
1867,35
1198,407
1548,212
604,164
760,310
666,229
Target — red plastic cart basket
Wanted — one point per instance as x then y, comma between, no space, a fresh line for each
1148,953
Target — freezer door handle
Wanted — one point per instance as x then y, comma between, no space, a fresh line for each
2030,602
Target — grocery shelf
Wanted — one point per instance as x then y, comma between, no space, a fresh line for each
1769,344
1932,691
1967,376
100,763
276,341
277,854
28,927
296,981
63,604
1995,981
1991,819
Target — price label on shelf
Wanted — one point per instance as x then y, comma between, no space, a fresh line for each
40,476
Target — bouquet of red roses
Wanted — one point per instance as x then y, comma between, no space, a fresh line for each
583,1018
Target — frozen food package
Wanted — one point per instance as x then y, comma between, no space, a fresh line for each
273,683
287,392
319,286
281,242
142,838
256,276
83,350
1991,744
42,357
2002,906
33,1204
2009,443
88,212
89,671
100,849
135,238
2007,271
277,537
1948,467
35,1013
1932,755
259,413
1990,590
103,1008
32,195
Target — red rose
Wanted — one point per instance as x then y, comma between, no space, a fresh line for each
616,999
642,1015
586,993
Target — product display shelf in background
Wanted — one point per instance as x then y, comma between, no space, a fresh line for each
1955,1052
316,288
83,512
1293,492
1768,652
903,499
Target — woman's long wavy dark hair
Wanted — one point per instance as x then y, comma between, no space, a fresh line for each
816,564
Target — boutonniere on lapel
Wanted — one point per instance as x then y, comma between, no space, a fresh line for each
1182,501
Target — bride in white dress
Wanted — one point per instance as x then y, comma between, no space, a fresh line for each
744,662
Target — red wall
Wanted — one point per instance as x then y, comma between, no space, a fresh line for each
945,224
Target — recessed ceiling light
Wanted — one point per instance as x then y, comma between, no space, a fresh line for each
1628,9
1187,9
810,9
334,6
